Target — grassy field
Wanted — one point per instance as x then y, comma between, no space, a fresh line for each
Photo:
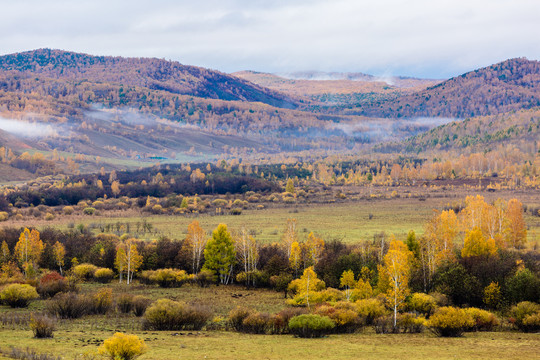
347,221
351,221
76,343
80,338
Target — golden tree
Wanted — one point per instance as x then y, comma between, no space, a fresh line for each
28,250
195,242
290,235
476,244
347,281
516,230
396,272
59,252
314,247
295,257
247,250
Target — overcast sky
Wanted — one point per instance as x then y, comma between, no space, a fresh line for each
424,38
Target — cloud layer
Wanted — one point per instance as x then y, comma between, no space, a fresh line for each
422,38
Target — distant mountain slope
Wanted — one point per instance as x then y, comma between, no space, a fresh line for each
152,73
477,134
510,85
336,89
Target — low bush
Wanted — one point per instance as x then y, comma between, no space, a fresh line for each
104,275
51,284
89,211
68,210
140,304
411,323
124,303
237,317
385,325
205,278
43,326
101,302
522,311
166,278
68,305
166,314
256,323
279,323
84,271
311,326
450,322
345,320
483,320
531,323
18,295
422,303
123,347
27,354
370,309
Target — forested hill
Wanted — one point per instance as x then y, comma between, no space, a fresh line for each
510,85
481,133
151,73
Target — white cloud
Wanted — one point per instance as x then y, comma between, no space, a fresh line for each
414,37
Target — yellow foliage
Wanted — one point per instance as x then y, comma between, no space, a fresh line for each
123,347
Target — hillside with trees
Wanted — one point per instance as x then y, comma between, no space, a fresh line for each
507,86
150,73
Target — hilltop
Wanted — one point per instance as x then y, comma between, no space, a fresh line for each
151,73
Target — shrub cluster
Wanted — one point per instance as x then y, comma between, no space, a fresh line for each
123,347
450,321
311,326
165,278
103,275
84,271
43,326
127,303
18,295
51,284
526,316
166,314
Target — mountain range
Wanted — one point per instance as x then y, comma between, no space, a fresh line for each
142,109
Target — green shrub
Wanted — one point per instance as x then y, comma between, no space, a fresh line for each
140,304
422,303
166,314
521,311
4,216
89,211
18,295
123,347
104,275
42,326
483,320
68,305
84,271
450,321
311,326
370,309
